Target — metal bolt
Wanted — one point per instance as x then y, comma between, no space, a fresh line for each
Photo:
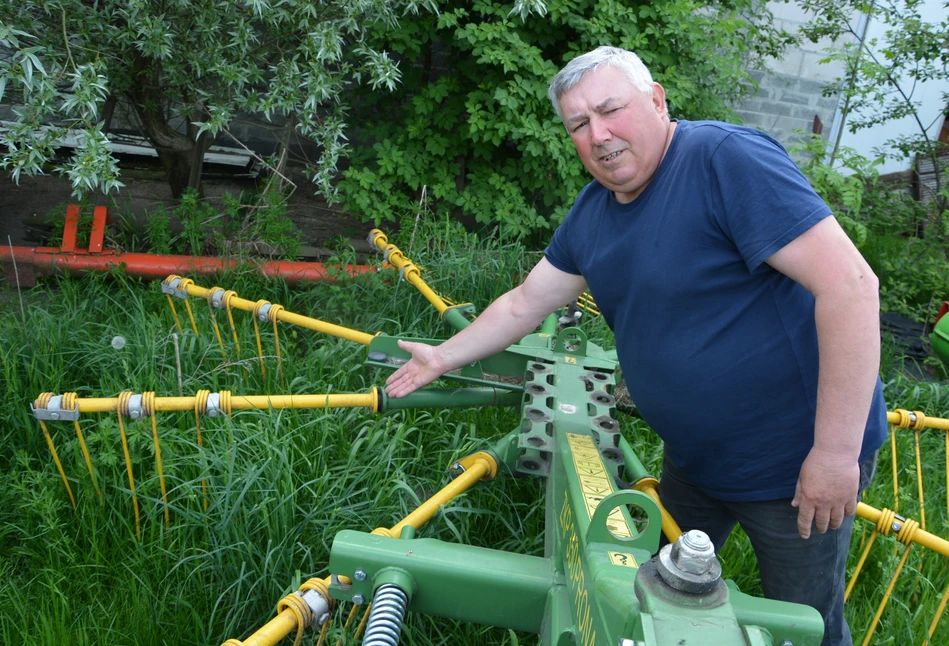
456,469
134,414
693,552
896,526
322,619
54,415
787,642
360,575
358,599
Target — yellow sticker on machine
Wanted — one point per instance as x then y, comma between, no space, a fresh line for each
623,558
595,482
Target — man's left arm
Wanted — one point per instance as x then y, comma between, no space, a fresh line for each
847,310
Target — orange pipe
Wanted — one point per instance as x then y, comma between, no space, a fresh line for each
51,260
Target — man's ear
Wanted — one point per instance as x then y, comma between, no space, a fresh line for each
659,98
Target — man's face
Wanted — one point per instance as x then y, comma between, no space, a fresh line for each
619,132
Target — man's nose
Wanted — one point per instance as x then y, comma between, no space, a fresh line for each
600,131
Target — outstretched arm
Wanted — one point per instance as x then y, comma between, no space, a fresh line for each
507,320
847,311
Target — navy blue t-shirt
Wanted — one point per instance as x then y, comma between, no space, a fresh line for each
719,350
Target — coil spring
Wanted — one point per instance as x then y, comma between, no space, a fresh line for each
385,618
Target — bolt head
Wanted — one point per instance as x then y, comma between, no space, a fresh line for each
456,469
693,552
134,414
896,526
54,415
323,619
359,575
358,599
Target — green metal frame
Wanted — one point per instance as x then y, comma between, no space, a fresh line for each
597,582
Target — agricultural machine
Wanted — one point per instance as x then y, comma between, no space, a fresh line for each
616,570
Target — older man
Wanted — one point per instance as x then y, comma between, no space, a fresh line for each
746,323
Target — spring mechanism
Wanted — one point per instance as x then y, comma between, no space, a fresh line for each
385,618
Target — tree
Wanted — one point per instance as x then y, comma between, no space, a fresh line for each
883,77
472,122
186,68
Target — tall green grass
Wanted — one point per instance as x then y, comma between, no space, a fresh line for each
280,484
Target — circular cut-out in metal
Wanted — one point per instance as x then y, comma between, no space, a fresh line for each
535,388
569,341
531,465
378,356
535,441
611,454
536,415
599,376
604,399
539,367
606,423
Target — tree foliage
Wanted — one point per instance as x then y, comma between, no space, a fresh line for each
186,68
472,122
884,78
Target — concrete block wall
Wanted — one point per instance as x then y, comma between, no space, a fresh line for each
791,89
787,103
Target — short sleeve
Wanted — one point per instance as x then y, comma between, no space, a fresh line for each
761,199
558,252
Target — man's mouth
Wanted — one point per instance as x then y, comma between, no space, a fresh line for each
611,156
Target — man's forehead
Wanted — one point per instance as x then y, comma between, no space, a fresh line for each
579,111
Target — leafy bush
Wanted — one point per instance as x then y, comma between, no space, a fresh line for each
472,123
904,241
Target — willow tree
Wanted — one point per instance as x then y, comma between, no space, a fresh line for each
185,68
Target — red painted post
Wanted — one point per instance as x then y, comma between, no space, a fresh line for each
100,217
69,230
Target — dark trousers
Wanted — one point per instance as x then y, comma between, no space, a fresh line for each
811,571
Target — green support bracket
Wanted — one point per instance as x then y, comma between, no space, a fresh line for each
457,581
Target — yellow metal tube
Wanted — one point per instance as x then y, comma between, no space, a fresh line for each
456,487
324,327
300,320
896,417
921,537
670,528
246,402
270,633
409,271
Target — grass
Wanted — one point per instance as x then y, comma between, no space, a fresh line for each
282,483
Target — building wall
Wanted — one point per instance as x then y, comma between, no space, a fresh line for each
790,93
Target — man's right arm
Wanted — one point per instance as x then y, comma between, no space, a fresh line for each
506,321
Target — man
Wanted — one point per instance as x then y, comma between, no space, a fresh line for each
725,278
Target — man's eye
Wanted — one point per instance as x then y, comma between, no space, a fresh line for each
579,126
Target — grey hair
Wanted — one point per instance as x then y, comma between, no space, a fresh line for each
573,72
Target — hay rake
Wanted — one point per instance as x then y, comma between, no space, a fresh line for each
603,578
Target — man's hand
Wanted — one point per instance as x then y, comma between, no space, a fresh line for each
826,491
424,368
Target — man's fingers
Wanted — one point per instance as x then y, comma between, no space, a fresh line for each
851,508
805,518
836,517
821,520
